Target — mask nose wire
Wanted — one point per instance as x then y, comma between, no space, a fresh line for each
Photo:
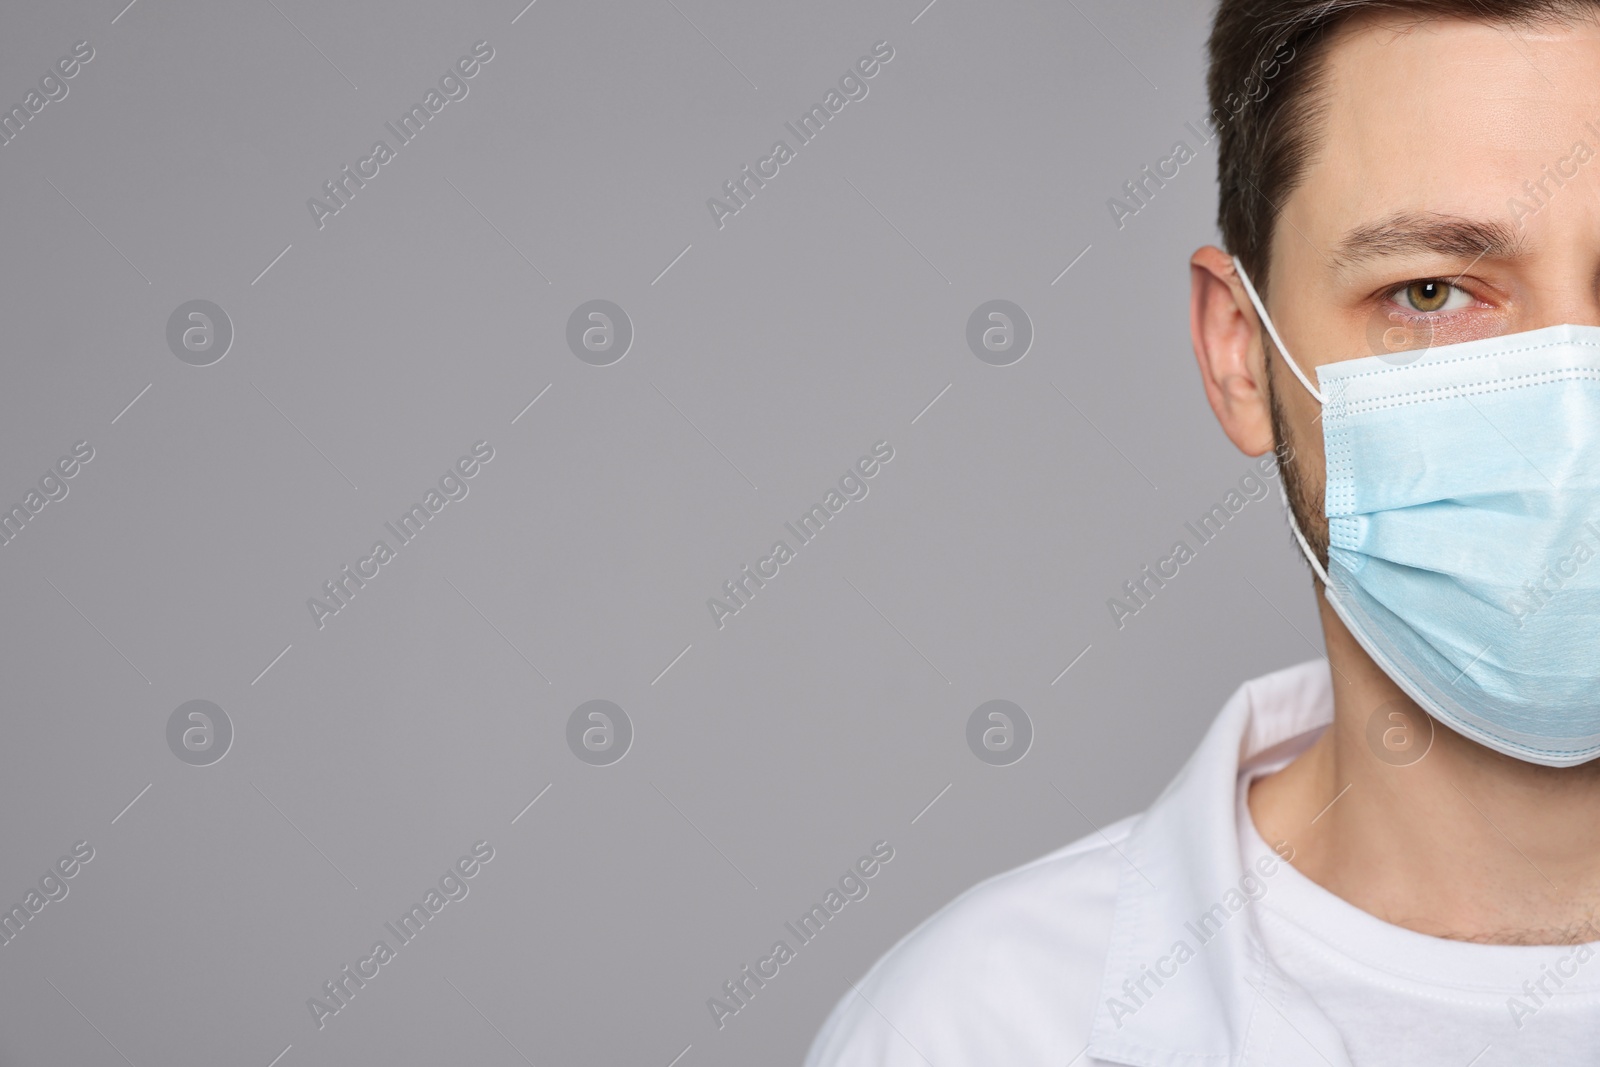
1266,320
1305,548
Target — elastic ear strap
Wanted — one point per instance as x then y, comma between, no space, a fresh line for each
1311,557
1266,320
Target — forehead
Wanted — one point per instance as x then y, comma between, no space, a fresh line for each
1447,115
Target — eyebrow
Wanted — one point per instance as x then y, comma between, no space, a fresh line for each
1411,232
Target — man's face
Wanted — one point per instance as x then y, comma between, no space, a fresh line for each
1454,194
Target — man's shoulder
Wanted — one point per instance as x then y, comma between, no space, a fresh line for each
1008,972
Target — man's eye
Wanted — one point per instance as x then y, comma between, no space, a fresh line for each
1431,296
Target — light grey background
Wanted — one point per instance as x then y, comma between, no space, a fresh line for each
772,354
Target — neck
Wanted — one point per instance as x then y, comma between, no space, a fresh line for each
1462,843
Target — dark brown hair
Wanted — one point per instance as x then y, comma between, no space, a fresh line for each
1267,60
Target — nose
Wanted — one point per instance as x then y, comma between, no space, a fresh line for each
1564,290
1578,309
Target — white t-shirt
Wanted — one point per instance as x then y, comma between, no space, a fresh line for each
1139,945
1400,997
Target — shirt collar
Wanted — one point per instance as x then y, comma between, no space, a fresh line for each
1187,981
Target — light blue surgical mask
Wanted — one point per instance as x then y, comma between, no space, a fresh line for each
1463,506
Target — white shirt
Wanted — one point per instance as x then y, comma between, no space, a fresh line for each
1179,939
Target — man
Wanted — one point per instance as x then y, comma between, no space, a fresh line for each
1391,855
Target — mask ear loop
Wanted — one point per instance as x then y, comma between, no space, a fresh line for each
1305,549
1283,349
1266,320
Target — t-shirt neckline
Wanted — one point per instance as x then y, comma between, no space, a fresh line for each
1355,938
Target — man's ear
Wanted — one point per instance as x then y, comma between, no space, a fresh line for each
1227,346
